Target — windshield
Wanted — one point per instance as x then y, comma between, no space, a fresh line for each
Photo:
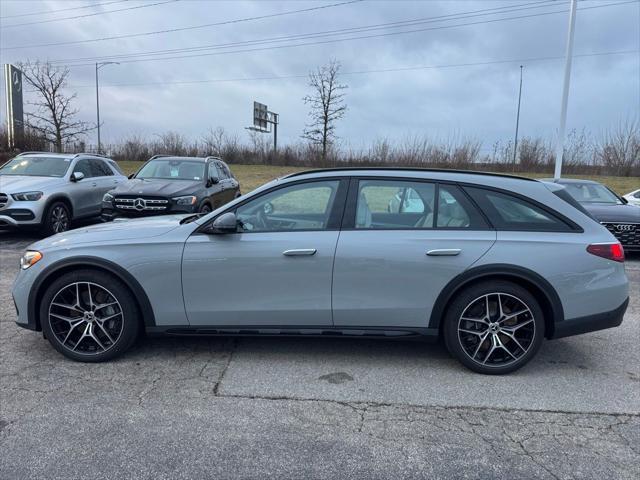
172,170
37,166
592,193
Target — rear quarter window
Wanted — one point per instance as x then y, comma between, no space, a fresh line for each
510,212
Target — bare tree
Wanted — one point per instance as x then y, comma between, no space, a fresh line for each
619,150
326,105
54,116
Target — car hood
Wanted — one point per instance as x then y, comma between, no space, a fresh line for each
118,230
26,183
613,213
157,187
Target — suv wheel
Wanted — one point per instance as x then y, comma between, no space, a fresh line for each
89,316
205,208
56,219
494,327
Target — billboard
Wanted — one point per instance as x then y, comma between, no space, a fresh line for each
260,116
15,115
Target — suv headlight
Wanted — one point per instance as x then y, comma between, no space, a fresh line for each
186,200
30,257
107,197
27,196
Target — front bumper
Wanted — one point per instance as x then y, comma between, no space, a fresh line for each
109,213
591,323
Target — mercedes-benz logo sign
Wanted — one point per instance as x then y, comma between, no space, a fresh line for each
139,204
625,228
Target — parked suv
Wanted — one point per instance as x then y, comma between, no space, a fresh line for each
167,184
491,271
50,190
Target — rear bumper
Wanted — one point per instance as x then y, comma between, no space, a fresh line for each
591,323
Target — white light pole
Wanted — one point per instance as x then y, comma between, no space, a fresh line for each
515,143
98,67
565,91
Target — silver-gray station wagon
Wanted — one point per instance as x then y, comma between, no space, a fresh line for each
491,264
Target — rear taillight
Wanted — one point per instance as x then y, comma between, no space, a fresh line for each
610,251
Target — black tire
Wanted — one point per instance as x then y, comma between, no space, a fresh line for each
205,208
125,321
57,219
477,336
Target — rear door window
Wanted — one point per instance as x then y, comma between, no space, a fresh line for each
508,212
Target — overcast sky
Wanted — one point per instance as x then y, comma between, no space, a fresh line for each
453,99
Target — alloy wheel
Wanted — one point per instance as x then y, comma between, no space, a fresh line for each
86,318
59,219
496,329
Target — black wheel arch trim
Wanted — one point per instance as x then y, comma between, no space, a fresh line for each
38,288
507,272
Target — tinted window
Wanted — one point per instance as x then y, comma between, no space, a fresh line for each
508,212
221,173
298,207
394,204
226,170
168,169
115,166
84,166
36,166
592,193
455,210
100,169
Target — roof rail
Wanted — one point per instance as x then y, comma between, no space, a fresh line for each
90,155
28,153
160,156
408,169
212,157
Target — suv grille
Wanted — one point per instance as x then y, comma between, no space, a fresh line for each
627,233
3,199
141,204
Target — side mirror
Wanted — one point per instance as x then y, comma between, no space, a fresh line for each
214,180
225,223
76,176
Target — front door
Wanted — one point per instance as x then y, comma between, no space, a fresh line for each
276,270
404,241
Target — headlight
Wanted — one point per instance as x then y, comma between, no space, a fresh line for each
30,257
107,197
27,196
187,200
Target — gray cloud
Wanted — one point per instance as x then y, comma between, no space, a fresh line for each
473,101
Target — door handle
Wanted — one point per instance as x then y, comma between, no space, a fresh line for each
94,184
444,252
299,252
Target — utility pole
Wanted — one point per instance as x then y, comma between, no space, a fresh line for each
515,143
99,65
565,91
275,132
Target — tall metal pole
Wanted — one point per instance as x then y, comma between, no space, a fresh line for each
515,143
98,108
565,91
275,132
98,67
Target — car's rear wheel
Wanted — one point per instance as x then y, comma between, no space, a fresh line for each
494,327
57,219
89,316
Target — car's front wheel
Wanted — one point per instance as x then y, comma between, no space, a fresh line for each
57,219
494,327
89,316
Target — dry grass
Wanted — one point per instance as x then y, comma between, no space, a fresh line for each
252,176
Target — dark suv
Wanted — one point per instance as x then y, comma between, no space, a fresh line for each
167,184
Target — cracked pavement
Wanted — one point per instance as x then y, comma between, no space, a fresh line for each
315,408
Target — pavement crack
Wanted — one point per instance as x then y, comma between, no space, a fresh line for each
216,388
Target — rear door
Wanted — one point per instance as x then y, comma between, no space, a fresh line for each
402,241
105,180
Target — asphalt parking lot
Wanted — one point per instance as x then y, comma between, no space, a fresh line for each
315,408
